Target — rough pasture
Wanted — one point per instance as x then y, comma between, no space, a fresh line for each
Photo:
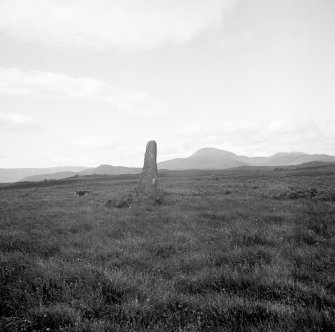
228,250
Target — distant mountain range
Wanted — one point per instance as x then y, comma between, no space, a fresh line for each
206,158
102,169
16,174
212,158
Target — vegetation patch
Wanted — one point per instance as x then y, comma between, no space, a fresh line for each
260,258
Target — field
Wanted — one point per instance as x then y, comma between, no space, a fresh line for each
243,250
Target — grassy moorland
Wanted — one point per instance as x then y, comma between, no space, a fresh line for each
223,251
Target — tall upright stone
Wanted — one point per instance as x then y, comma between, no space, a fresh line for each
147,184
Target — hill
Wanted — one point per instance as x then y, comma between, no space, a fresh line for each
100,170
17,174
291,158
203,159
212,158
111,170
207,158
52,176
315,164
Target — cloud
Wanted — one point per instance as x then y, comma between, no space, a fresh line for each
10,121
262,136
97,142
103,24
97,149
15,119
58,86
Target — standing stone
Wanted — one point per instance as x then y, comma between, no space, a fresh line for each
147,184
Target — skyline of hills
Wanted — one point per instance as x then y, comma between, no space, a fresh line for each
205,158
213,158
16,174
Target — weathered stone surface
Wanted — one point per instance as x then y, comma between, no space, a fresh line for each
80,193
147,184
120,201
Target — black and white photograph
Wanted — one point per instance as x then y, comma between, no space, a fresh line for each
167,165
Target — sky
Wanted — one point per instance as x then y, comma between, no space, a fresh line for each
89,82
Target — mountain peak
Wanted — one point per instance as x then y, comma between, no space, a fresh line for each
291,153
205,158
211,151
213,158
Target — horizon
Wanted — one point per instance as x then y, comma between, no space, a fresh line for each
161,161
93,82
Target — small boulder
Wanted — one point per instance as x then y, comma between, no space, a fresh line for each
81,193
120,202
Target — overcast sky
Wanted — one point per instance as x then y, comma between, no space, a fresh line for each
87,82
